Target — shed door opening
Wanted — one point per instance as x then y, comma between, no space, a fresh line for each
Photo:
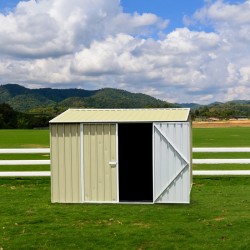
135,162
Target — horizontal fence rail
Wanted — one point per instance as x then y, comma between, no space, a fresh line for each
25,174
24,162
221,161
221,172
195,161
24,151
220,150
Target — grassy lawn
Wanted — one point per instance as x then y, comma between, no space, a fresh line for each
221,137
217,218
202,137
24,138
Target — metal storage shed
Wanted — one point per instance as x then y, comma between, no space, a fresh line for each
121,155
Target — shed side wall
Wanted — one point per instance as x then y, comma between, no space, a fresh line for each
65,163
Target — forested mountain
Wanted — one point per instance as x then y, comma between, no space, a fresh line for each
23,107
53,101
9,118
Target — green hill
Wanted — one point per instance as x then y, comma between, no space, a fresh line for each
53,101
231,109
47,102
9,118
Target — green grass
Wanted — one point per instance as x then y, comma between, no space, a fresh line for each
217,218
24,138
221,137
231,155
25,156
221,166
202,137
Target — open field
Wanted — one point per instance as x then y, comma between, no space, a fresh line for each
202,137
222,124
221,137
217,218
24,138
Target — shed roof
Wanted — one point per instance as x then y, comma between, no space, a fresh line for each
121,115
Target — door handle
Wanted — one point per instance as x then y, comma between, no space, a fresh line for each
112,164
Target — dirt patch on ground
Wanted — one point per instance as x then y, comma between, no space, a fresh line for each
221,124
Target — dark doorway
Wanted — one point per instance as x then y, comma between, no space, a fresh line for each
135,162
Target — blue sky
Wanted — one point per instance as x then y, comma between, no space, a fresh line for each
174,11
179,51
7,4
168,9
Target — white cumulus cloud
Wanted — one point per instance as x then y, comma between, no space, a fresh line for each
95,44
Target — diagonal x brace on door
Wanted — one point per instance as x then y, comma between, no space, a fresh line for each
171,143
171,181
183,158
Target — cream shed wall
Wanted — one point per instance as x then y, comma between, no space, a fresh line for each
75,140
66,171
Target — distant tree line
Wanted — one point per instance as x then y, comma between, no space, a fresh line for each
222,111
10,119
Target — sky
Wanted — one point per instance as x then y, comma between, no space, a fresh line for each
177,51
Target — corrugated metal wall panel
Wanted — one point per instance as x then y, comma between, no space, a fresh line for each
172,162
61,163
76,169
99,149
65,163
54,163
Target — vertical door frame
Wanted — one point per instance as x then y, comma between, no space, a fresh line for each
81,161
153,159
117,165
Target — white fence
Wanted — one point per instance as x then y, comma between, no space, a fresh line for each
195,161
24,162
221,161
